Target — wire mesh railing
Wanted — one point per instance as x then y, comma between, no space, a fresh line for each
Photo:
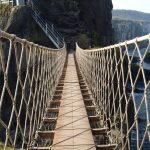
29,74
5,1
119,79
49,28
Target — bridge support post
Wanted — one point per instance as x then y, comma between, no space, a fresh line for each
52,28
46,27
36,19
57,40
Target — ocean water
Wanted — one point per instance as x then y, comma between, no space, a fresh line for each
139,131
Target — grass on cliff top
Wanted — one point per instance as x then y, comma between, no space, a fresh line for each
5,10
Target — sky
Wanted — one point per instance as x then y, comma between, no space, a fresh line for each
139,5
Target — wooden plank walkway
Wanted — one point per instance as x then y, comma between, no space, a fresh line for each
72,130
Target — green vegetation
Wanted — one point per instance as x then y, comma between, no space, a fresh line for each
2,147
96,39
5,10
83,40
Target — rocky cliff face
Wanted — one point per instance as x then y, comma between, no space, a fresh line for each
21,23
128,29
130,24
75,17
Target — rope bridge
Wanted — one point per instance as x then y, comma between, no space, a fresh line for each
115,75
95,99
29,74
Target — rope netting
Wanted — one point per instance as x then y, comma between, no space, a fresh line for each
29,74
119,79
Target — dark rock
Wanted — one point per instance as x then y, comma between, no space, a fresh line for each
129,24
22,24
74,17
71,17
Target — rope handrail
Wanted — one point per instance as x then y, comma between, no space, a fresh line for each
29,74
118,77
138,39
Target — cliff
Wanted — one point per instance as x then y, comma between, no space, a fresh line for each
131,15
129,29
130,24
73,18
4,15
21,23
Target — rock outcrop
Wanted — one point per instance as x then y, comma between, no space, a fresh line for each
128,29
22,24
75,17
130,24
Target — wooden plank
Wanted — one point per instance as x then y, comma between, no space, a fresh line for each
49,120
52,110
106,147
46,134
72,129
94,118
99,131
91,107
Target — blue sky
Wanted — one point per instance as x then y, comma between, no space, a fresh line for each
140,5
